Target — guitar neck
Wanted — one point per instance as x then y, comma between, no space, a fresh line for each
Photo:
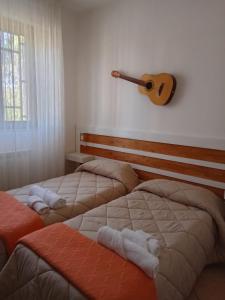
133,80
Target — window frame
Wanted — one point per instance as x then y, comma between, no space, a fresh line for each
31,116
11,52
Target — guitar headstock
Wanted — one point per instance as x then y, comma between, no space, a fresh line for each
116,74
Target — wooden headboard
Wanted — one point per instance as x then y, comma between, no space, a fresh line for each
200,166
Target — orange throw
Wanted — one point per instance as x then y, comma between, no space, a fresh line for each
96,271
16,220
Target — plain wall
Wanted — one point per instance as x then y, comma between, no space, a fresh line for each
70,48
182,37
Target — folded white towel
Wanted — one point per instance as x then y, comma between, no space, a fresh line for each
37,204
153,244
144,234
112,239
50,198
142,258
154,247
135,237
129,250
143,239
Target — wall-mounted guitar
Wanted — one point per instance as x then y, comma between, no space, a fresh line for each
159,88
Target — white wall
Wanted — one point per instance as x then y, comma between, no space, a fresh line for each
69,32
184,37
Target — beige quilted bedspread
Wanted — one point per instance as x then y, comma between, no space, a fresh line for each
188,221
82,191
94,183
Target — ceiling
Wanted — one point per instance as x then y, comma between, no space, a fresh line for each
80,5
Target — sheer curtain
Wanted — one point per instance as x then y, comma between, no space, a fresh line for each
31,92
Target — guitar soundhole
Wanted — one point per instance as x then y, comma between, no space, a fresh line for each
161,88
149,85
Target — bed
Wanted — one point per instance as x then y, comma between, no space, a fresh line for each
94,183
191,228
189,222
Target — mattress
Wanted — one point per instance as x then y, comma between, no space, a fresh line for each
188,221
94,183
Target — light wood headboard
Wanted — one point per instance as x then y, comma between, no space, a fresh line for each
200,166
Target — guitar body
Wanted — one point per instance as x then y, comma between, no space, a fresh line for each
161,87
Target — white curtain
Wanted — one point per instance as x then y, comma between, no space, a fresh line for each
31,92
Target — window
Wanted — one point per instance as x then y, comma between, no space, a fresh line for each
13,102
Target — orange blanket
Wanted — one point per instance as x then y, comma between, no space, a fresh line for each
96,271
16,220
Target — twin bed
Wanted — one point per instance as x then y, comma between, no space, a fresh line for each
93,184
188,221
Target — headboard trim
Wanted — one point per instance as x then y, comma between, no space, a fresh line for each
197,165
198,153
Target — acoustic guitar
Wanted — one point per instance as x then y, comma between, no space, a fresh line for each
159,88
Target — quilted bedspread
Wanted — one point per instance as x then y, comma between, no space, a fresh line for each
93,184
187,220
81,190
